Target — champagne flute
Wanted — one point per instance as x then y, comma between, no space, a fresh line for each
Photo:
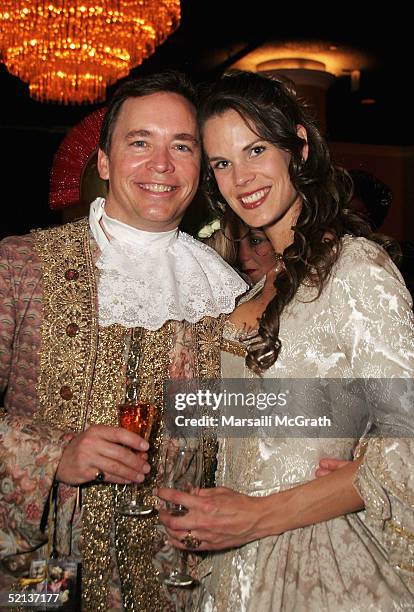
140,417
183,468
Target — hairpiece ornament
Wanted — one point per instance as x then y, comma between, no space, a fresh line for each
208,230
71,158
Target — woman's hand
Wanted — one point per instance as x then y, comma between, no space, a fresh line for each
219,518
329,465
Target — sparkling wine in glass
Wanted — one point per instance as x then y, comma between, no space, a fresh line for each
183,469
140,417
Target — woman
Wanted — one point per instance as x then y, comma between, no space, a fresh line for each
338,309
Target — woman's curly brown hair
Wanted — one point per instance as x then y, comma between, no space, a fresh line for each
273,112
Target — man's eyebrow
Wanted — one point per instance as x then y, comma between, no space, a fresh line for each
135,133
146,133
185,136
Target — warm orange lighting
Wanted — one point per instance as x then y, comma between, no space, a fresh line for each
70,50
337,59
290,63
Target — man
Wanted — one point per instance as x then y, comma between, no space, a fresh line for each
95,313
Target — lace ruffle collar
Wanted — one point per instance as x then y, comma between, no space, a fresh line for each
148,278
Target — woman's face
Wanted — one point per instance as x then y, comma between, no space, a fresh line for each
252,174
256,255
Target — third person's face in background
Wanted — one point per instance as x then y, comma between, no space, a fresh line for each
256,255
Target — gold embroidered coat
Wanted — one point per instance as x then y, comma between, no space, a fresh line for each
62,372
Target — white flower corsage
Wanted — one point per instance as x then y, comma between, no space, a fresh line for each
209,229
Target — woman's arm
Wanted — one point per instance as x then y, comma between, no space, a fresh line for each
221,518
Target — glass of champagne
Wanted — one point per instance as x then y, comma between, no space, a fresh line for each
183,469
140,417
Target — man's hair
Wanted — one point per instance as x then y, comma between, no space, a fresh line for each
170,81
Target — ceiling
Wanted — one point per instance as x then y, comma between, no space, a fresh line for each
211,37
215,34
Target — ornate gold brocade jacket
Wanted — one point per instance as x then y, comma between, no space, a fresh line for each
61,372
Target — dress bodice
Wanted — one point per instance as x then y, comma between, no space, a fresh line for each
336,335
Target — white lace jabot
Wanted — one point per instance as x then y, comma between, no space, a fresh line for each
148,278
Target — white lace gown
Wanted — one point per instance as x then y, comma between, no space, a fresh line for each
361,326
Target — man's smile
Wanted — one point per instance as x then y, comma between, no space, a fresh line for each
157,187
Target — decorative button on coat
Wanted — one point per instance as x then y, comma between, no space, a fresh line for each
72,329
66,393
71,274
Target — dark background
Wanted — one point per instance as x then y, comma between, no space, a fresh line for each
213,35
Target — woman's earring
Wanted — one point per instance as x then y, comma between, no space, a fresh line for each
280,263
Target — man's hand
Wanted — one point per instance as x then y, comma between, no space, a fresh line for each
117,452
328,465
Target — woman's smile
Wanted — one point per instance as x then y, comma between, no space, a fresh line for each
254,198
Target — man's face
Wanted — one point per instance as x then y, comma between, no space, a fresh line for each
153,164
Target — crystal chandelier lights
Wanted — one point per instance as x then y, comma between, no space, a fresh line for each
70,50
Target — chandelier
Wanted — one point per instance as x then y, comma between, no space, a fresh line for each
69,51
